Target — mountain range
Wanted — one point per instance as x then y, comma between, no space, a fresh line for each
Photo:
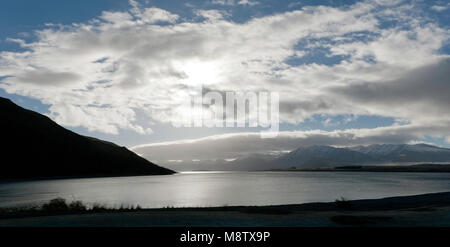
328,156
325,156
33,146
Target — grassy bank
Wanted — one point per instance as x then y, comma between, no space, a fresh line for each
418,210
59,206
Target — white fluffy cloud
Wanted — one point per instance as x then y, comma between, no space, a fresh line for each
440,8
223,2
247,2
129,69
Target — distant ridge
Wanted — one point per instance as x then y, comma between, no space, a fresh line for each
327,156
317,156
33,146
405,153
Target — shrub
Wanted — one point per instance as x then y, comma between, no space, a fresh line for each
77,206
343,204
98,207
57,204
60,205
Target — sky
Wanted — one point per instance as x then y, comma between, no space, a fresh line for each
347,72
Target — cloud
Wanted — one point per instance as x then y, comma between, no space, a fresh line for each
247,2
47,78
440,8
294,4
232,2
422,95
155,15
132,69
116,17
223,2
212,14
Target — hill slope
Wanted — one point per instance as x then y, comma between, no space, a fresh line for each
33,146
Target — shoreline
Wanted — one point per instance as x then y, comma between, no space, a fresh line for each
423,210
417,168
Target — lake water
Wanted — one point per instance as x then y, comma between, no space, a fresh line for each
224,188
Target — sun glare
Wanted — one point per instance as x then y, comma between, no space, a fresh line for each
201,73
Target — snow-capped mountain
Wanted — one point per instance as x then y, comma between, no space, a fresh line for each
405,153
316,156
322,156
325,156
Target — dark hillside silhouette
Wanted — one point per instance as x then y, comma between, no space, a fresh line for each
33,146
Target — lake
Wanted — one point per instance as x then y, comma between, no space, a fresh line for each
224,188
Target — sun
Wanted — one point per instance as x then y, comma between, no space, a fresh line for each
201,72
